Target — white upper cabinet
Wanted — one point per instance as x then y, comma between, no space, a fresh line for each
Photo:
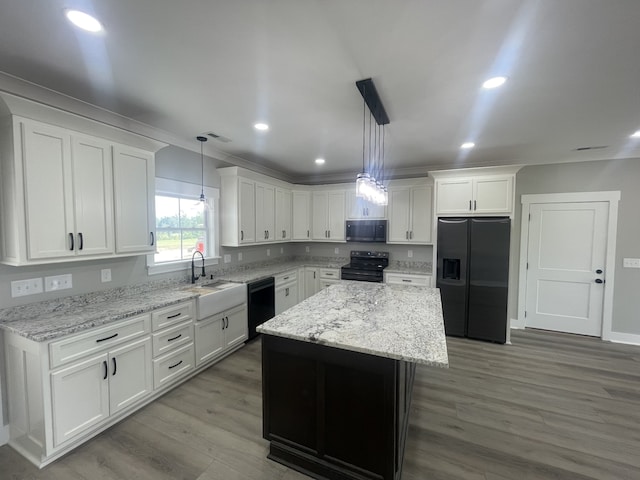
301,215
57,195
360,209
476,195
410,214
134,190
265,212
283,214
328,215
253,208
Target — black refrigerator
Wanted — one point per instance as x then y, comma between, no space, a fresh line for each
473,276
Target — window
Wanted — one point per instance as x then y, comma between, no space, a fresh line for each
184,225
181,228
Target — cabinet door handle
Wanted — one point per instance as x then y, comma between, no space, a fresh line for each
227,322
81,238
329,235
314,275
174,338
367,211
241,234
475,206
410,234
469,204
222,323
286,292
153,238
407,234
106,370
72,242
115,366
307,233
106,338
174,366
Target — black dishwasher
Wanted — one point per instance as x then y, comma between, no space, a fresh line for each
261,303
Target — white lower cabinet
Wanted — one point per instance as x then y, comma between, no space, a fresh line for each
286,291
407,279
65,391
219,333
87,392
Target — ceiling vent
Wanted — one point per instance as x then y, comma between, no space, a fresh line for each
217,137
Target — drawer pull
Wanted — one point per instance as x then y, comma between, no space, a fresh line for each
406,280
106,338
285,278
174,316
174,338
174,366
115,366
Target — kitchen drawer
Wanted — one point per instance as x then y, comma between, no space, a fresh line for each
330,273
172,338
407,279
97,339
286,277
173,366
171,315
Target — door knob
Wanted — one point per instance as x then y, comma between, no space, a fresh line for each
599,280
599,270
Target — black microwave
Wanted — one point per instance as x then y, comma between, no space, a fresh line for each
366,231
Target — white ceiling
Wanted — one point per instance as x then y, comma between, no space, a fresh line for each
195,66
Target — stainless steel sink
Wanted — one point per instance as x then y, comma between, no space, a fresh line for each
219,296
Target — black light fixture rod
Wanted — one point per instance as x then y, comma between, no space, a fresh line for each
370,94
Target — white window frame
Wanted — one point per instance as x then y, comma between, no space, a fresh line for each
166,186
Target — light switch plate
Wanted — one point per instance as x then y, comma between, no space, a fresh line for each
306,249
227,258
410,253
58,282
336,250
268,252
239,256
631,262
21,288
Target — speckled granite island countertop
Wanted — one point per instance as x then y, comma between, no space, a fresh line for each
392,321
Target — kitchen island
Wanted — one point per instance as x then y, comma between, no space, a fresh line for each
338,373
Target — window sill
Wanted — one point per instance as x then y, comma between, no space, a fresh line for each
156,269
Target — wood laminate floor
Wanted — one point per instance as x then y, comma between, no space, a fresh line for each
550,406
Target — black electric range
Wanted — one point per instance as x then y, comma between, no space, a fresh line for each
366,266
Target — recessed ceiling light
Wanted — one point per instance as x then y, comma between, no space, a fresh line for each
83,20
320,161
467,145
261,126
636,134
494,82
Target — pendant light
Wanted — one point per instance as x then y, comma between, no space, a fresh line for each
370,182
202,139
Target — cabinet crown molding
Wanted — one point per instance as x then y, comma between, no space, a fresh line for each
476,171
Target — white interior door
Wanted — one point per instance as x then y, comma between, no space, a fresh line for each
566,267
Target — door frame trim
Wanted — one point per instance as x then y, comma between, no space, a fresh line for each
612,198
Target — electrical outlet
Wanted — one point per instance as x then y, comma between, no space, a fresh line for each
631,262
336,250
239,256
227,258
410,253
306,249
268,252
21,288
57,282
105,275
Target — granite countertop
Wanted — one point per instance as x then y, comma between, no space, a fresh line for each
392,321
260,273
407,269
48,320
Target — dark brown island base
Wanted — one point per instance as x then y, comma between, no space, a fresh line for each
335,400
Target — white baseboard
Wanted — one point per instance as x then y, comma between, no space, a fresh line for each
517,324
629,338
4,435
